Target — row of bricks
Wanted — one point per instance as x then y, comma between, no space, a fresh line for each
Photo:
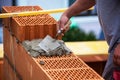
9,9
54,68
69,74
31,27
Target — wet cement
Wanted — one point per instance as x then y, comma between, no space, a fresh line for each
35,50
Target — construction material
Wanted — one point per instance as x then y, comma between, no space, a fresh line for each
31,27
46,47
1,68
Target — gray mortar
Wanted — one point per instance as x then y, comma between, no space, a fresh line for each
35,50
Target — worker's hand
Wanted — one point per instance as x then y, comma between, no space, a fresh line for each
64,23
116,57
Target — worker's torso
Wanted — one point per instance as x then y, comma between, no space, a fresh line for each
109,15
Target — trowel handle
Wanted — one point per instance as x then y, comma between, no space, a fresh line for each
60,32
67,24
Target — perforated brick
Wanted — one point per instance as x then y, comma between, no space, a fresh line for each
9,9
30,27
74,74
62,63
67,68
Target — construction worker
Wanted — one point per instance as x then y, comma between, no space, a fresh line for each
109,17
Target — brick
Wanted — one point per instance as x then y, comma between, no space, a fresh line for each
9,9
28,29
62,63
9,72
24,27
7,43
73,74
1,69
21,26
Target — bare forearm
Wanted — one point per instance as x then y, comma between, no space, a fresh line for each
79,6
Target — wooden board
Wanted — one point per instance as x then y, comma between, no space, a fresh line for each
91,51
88,48
1,51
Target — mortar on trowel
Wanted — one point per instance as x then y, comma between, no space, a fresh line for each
47,46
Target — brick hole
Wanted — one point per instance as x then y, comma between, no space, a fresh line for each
62,63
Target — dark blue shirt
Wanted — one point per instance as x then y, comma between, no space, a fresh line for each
109,16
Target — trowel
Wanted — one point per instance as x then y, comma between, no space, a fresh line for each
48,43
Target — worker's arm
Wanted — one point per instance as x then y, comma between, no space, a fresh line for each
77,7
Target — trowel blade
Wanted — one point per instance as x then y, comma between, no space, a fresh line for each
48,44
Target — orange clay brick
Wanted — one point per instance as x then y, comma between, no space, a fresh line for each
50,27
24,28
9,72
28,28
7,43
68,68
9,9
74,74
1,69
62,63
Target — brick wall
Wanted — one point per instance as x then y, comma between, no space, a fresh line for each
19,65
